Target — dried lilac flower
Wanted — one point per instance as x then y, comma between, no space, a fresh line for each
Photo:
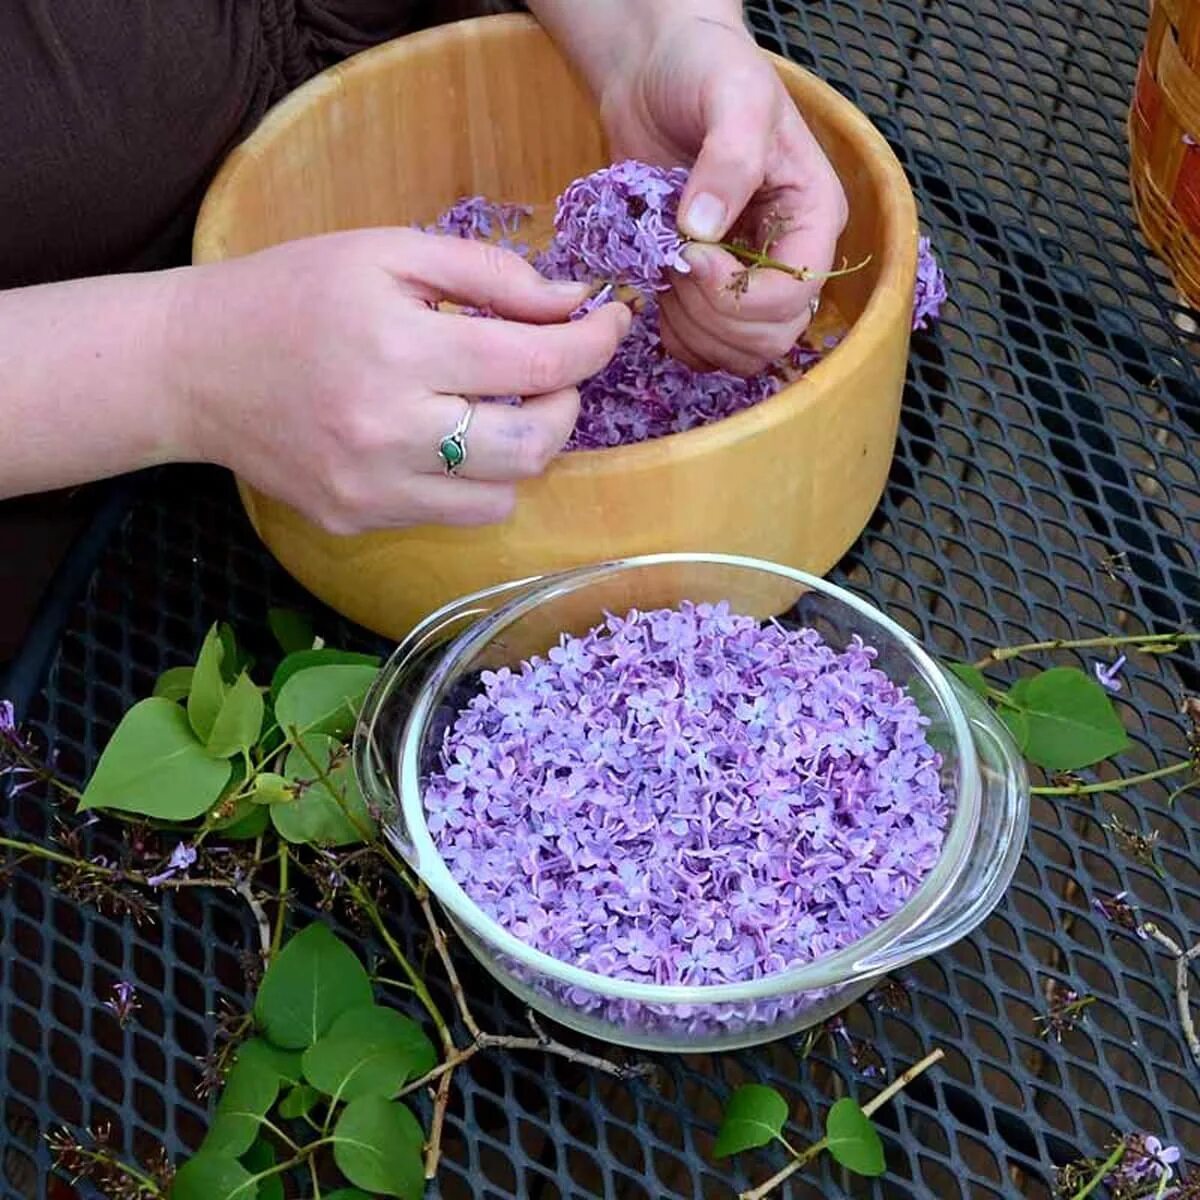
182,858
1066,1008
16,754
1108,676
685,796
123,1003
931,286
618,224
1118,910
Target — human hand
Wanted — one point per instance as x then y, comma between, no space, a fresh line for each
319,372
698,88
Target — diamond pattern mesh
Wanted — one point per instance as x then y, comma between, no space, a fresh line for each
1046,484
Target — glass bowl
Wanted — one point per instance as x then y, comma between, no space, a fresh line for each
436,670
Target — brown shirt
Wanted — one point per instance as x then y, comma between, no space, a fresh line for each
115,113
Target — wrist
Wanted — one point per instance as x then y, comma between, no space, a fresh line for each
189,347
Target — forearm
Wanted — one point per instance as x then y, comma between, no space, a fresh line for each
85,381
594,34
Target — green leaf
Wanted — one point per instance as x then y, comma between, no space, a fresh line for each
325,807
261,1157
249,1091
208,686
754,1116
973,677
293,631
348,1194
370,1051
1017,724
239,722
175,683
300,1101
853,1140
235,660
1071,722
313,980
377,1145
302,660
246,821
154,766
283,1063
270,788
213,1177
323,699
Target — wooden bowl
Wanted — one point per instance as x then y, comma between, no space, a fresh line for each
393,136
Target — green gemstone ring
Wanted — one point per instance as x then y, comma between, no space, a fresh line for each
452,449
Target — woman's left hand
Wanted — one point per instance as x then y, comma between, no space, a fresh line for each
682,82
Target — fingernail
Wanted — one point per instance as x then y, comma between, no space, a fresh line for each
699,260
705,218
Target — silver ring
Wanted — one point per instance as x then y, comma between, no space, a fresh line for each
452,449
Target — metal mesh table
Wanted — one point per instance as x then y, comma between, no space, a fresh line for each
1046,484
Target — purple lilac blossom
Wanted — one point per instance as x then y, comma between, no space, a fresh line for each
618,225
1146,1163
1109,676
687,797
182,858
16,753
123,1003
479,219
931,286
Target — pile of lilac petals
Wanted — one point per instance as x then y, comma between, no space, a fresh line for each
618,225
687,797
931,292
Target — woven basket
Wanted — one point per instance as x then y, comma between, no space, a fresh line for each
1164,140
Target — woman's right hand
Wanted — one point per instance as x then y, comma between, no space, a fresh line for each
319,372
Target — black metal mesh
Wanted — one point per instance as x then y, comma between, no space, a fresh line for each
1046,484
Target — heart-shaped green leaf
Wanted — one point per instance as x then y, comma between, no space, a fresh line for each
154,766
208,686
754,1116
323,699
370,1051
326,806
259,1158
377,1146
293,631
973,677
245,822
249,1092
175,683
348,1194
1069,721
302,660
299,1102
313,980
853,1140
213,1177
239,721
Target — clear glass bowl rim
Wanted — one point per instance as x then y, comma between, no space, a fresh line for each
841,967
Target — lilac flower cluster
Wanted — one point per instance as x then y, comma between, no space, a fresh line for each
931,286
479,219
644,393
1147,1165
686,797
618,224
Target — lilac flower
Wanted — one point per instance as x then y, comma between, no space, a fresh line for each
123,1003
16,754
1146,1163
618,224
1107,676
480,219
1119,911
931,286
182,857
696,799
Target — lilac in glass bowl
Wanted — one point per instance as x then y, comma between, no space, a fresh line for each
979,803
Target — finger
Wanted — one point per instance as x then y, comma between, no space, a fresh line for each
709,347
479,274
504,443
732,336
740,119
770,296
428,500
675,345
476,357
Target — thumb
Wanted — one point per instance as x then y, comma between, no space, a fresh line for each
739,119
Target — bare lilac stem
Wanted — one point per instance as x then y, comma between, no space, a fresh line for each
1153,643
1183,961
